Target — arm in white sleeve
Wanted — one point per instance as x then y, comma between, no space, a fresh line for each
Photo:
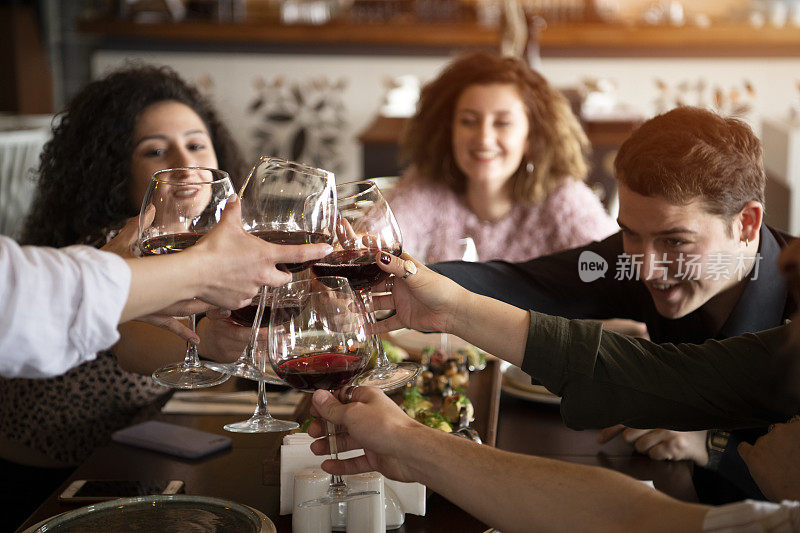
58,308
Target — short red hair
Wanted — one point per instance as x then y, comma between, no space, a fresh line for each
691,153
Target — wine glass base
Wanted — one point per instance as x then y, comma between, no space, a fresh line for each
243,370
392,376
338,497
261,424
181,376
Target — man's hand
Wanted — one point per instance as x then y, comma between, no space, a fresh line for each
371,421
774,462
662,444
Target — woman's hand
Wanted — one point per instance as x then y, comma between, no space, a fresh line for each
234,264
122,245
424,300
221,339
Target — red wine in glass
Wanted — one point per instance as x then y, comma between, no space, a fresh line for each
245,316
291,237
329,371
358,266
169,244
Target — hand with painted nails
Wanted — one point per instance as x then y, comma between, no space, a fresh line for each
423,299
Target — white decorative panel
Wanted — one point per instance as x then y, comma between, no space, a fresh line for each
315,105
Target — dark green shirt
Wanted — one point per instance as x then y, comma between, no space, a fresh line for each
605,378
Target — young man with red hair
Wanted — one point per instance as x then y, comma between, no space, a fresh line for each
692,261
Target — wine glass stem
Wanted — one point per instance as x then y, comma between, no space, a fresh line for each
249,354
192,357
381,361
337,483
262,410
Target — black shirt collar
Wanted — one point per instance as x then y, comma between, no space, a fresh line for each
762,305
763,301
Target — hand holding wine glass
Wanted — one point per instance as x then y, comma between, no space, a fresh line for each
318,340
283,203
366,226
236,258
369,415
179,208
186,203
428,301
425,300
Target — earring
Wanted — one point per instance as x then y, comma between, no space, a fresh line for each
529,167
746,242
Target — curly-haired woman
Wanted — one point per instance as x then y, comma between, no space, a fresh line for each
108,142
495,154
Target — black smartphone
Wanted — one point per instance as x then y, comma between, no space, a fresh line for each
98,490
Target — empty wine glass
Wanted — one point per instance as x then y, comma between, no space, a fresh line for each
188,203
318,340
366,226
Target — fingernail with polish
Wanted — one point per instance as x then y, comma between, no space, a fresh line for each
386,258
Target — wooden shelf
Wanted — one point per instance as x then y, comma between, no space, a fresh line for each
405,34
576,40
629,40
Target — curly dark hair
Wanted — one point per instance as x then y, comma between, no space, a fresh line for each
556,141
85,168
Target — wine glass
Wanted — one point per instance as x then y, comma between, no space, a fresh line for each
318,340
283,202
261,420
188,203
464,250
366,226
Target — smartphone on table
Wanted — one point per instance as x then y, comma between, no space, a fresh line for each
98,490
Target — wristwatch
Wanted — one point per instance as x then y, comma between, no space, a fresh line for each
716,442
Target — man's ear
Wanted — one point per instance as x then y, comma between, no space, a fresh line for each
749,220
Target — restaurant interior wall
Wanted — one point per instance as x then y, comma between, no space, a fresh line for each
316,113
356,85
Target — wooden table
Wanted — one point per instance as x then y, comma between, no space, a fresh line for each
247,473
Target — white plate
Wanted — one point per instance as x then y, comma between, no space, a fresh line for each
518,384
519,379
415,341
195,510
530,395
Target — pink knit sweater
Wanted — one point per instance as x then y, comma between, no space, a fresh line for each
433,218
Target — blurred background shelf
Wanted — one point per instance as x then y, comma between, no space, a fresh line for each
400,34
567,39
